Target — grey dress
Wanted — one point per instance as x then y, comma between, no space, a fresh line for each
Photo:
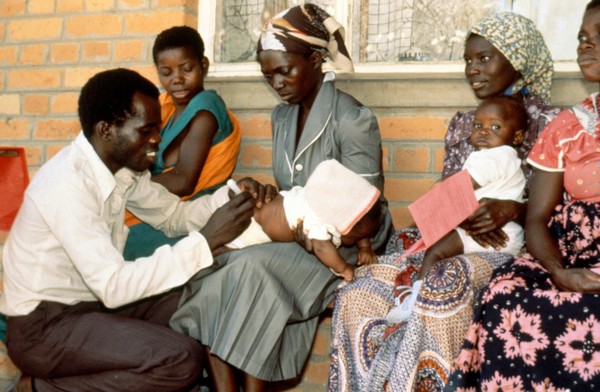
259,309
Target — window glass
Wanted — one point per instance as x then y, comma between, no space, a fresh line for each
389,31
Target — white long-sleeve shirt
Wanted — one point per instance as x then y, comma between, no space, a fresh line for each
67,240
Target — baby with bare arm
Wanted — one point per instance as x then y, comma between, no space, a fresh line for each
337,207
495,171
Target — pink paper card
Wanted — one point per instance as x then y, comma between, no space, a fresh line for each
444,207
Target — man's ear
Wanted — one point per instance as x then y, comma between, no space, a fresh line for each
519,137
104,130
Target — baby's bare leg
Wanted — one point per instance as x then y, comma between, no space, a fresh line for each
449,245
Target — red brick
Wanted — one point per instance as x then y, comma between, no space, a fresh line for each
385,158
10,104
34,29
41,7
8,55
256,156
130,50
57,129
12,8
401,217
255,126
53,149
65,103
438,154
14,129
33,54
406,189
321,344
36,104
99,5
413,128
96,51
171,3
33,154
316,373
77,77
94,25
69,6
64,53
153,23
188,5
34,78
2,30
412,159
149,72
132,4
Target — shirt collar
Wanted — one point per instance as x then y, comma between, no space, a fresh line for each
105,180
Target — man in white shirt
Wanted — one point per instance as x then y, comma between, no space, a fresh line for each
80,317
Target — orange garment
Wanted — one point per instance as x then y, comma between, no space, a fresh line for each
220,162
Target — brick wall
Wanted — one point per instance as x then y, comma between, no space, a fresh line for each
49,49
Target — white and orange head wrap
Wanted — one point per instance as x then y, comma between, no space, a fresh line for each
306,28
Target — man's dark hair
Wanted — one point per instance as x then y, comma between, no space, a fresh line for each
108,96
178,37
592,4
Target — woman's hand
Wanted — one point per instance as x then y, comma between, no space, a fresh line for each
578,280
485,224
496,239
301,238
261,193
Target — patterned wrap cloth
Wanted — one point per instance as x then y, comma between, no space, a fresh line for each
304,29
367,353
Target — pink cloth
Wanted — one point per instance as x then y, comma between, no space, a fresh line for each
442,209
339,196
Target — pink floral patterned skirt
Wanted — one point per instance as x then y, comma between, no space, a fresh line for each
527,334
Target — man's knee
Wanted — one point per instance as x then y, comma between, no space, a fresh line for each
187,365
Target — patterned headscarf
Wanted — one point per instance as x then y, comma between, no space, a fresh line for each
304,29
517,38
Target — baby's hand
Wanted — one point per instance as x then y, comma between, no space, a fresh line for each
347,273
366,256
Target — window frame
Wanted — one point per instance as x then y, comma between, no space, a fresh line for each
207,27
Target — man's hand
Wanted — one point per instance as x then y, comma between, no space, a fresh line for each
229,220
261,193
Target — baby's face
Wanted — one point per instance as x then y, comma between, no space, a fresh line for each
364,228
493,126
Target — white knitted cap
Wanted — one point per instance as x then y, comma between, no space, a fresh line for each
339,196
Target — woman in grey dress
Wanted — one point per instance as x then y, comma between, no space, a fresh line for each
258,312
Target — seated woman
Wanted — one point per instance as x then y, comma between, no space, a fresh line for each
504,55
538,327
200,137
257,315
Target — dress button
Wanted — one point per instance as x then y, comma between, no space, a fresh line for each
299,167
